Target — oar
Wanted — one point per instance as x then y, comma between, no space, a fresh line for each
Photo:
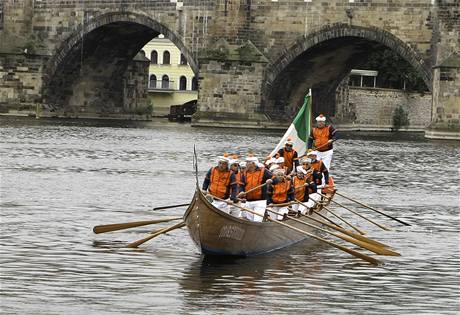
369,207
319,214
121,226
162,231
168,207
252,189
323,145
345,249
376,249
342,230
358,214
339,217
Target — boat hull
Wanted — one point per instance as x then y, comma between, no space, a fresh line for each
218,233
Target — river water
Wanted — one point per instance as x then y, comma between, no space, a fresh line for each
61,178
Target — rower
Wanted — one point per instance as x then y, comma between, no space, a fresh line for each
239,176
320,167
312,177
323,136
220,182
280,192
303,187
243,167
290,155
256,199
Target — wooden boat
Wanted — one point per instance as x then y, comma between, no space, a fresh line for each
217,233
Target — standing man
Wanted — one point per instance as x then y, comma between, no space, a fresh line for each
323,136
221,183
289,155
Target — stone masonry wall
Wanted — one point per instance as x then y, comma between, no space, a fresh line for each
20,81
373,108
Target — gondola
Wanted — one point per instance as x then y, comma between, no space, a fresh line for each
217,233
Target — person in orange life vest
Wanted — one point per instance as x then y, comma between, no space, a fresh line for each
220,182
243,168
289,155
323,136
314,177
281,163
239,176
320,167
280,190
269,161
256,200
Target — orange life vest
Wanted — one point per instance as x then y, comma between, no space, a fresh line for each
280,191
238,178
219,182
321,136
329,189
254,179
289,158
317,165
299,188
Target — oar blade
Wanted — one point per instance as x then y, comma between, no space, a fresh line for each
122,226
162,231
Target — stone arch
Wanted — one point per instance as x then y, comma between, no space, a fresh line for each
322,43
112,17
339,30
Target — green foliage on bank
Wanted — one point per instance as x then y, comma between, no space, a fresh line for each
400,118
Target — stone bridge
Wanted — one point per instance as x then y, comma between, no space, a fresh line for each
255,59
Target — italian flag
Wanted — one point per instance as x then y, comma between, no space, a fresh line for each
299,130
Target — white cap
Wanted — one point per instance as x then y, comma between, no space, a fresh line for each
260,165
279,160
289,141
233,161
300,169
312,153
252,159
306,160
222,159
242,164
321,117
279,170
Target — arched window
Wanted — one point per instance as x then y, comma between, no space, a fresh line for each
183,61
183,83
142,52
165,82
166,58
153,81
154,57
194,84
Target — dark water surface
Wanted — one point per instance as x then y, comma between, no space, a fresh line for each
60,178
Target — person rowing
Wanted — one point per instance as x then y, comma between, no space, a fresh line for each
280,192
323,173
323,137
253,192
304,185
220,182
239,175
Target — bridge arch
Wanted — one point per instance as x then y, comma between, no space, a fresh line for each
338,48
106,41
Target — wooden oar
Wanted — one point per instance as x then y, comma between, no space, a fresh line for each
369,207
376,249
319,214
121,226
168,207
345,249
342,230
339,217
358,214
252,189
162,231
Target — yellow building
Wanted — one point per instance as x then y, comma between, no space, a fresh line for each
171,80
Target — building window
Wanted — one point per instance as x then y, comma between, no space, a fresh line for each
153,82
183,61
154,57
166,58
142,52
165,82
183,83
194,84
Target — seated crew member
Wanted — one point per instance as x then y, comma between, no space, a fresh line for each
313,177
280,162
256,199
269,161
280,191
323,136
239,176
320,167
290,155
300,182
221,183
243,168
